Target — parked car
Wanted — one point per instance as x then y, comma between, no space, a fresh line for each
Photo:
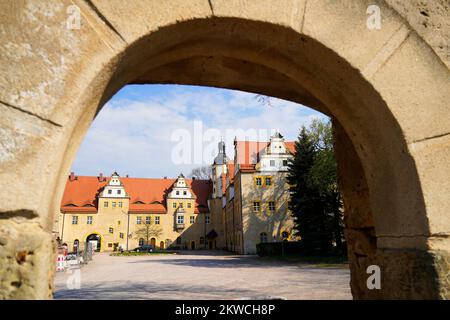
144,248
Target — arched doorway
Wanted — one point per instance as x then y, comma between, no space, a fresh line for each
161,245
393,163
95,241
192,245
153,242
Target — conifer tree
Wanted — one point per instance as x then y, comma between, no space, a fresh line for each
315,200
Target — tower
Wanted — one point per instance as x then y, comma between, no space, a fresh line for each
219,168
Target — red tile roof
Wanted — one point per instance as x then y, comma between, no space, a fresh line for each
152,192
230,171
247,152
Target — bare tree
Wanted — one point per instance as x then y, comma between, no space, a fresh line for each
264,100
147,232
201,173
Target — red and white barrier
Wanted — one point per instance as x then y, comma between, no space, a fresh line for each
60,262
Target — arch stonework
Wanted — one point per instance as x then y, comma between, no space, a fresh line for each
387,90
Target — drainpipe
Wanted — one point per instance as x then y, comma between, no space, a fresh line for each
128,228
62,229
204,230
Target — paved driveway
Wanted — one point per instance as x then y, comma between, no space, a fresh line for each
204,275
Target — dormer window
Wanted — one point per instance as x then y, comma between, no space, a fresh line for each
119,191
109,191
177,193
272,163
184,193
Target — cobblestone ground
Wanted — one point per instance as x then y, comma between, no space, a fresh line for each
204,275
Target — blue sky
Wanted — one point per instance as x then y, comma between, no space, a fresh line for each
141,129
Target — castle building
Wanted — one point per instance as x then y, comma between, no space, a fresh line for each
129,212
255,194
244,203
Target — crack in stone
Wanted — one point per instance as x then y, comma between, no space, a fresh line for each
104,19
30,113
211,7
430,138
23,213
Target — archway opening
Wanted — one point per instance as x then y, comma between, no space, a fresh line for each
242,54
95,241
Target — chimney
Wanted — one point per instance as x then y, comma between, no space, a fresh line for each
127,176
72,176
165,177
100,177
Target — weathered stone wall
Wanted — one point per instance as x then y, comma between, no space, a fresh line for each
388,89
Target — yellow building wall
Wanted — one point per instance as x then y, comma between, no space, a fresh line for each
124,223
272,223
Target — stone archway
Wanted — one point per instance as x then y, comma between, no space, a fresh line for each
386,90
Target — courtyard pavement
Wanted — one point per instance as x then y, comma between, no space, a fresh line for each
202,275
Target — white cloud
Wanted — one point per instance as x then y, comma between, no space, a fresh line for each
134,136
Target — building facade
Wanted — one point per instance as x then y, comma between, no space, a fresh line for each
244,203
253,194
128,212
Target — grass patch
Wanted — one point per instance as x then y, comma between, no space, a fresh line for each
133,253
316,261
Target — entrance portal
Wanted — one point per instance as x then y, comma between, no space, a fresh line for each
95,240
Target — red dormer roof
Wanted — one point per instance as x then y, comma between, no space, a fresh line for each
248,152
152,192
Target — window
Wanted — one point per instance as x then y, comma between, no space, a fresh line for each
110,245
148,220
114,204
258,181
192,219
179,240
189,205
109,191
285,163
118,222
284,235
157,220
138,220
177,193
256,206
181,205
121,235
268,181
141,241
184,193
207,219
74,219
174,205
271,206
119,191
120,204
272,163
263,237
89,220
180,219
111,230
202,240
106,204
